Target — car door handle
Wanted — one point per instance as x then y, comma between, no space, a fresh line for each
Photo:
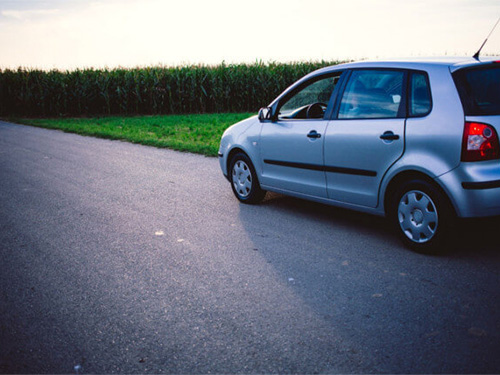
313,134
389,136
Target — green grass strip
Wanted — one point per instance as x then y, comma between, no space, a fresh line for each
199,133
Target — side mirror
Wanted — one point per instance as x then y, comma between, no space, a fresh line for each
265,114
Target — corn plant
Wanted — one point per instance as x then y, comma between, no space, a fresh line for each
146,91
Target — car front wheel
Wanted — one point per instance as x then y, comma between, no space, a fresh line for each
244,180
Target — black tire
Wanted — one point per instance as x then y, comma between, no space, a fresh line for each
422,216
244,181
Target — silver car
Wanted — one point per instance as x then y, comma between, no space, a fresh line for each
414,140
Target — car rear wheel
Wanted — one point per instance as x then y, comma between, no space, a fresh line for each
422,216
244,180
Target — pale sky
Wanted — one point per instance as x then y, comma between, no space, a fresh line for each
70,34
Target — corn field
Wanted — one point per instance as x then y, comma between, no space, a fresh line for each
146,91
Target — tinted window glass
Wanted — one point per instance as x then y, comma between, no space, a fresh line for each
420,96
479,90
318,92
372,94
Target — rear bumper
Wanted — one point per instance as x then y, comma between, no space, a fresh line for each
474,189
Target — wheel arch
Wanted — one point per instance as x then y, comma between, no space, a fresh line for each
231,154
408,175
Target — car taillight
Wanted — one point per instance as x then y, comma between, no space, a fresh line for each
480,142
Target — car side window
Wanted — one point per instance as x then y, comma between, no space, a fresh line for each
311,101
371,94
420,95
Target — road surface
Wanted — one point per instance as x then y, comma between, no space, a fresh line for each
121,258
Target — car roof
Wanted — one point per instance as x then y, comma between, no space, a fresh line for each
425,63
453,63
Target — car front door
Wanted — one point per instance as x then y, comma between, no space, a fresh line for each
367,135
292,145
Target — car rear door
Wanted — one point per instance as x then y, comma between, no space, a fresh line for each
367,135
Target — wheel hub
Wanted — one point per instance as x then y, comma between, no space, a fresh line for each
241,179
417,217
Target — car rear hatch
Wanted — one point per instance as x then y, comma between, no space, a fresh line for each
479,89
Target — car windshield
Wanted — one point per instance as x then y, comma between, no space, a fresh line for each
479,90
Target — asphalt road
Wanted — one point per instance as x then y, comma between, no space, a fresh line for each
120,258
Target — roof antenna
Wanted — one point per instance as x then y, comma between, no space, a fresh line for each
476,55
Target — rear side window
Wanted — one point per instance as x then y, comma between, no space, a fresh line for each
372,94
420,95
479,90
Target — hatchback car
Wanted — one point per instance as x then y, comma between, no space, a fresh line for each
414,140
